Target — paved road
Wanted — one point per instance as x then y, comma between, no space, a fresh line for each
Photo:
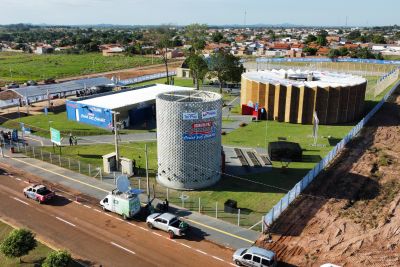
96,237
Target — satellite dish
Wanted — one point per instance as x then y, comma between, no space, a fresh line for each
123,183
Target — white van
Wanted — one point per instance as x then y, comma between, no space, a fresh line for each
125,204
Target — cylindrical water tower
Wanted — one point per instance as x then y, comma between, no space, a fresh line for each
189,139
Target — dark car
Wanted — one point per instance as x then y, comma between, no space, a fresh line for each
12,85
49,81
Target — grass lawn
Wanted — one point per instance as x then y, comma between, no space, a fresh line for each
254,199
40,125
20,67
92,154
34,258
178,82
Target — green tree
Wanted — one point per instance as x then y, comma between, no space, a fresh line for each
321,38
217,37
196,33
334,53
354,35
225,67
162,38
18,243
311,38
378,39
57,259
198,68
309,50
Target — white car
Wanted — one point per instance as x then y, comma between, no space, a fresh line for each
167,222
254,256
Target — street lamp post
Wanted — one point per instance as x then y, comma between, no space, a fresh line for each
116,138
266,129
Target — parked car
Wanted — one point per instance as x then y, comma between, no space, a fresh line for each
254,256
49,81
12,85
31,83
39,192
167,222
125,204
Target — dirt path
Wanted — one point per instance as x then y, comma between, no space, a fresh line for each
129,73
350,214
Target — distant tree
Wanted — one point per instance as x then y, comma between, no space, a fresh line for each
340,31
162,38
378,39
217,37
18,243
133,50
354,35
334,53
57,259
196,34
321,40
343,51
310,50
198,68
225,67
311,38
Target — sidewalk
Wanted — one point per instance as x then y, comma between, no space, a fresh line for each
217,231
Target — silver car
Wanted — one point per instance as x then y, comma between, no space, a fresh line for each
254,256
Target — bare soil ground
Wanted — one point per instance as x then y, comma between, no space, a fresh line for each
131,73
350,215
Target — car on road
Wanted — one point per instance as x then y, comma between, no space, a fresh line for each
125,204
49,81
254,257
39,192
30,83
12,85
167,222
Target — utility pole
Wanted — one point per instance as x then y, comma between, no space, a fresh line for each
147,174
116,138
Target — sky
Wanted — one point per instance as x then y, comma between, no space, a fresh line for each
211,12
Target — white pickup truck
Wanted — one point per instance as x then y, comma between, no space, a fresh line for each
167,222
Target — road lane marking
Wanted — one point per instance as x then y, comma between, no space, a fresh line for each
144,229
97,210
87,206
157,234
109,215
198,250
67,222
77,202
185,245
101,189
215,257
19,179
121,247
19,200
232,264
26,182
220,231
119,219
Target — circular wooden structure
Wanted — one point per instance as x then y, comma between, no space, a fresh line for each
293,96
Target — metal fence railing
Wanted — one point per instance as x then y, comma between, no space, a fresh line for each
191,201
146,78
386,80
277,210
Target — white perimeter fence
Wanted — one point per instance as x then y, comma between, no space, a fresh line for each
146,78
386,80
281,206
